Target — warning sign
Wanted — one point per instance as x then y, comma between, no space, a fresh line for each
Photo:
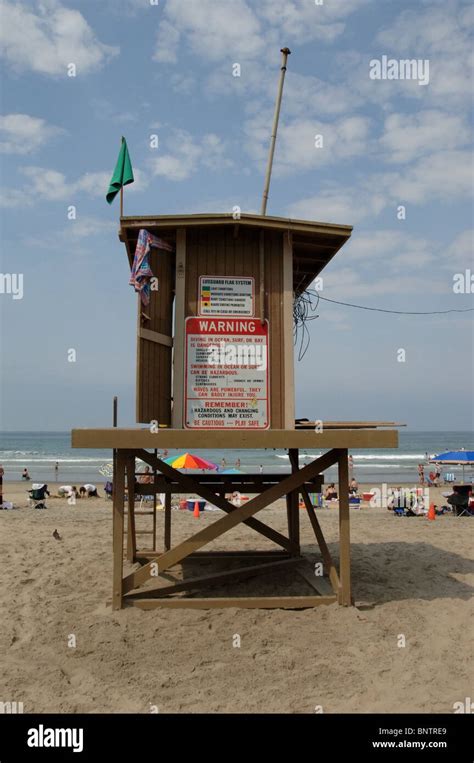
219,295
226,373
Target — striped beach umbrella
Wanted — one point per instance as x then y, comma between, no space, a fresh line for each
189,461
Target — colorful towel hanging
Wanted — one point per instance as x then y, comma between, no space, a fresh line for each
142,273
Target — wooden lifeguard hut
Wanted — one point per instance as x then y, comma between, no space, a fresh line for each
215,369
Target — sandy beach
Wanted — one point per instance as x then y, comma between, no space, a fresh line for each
411,578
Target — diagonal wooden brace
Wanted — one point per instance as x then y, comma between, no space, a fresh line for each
221,526
189,485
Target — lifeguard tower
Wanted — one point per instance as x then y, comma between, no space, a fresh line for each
215,369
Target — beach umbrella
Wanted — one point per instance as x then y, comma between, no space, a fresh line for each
455,458
189,461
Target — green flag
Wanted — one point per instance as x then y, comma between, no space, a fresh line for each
123,173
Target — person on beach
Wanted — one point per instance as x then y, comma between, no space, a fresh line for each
25,475
223,463
56,471
89,491
330,493
146,478
353,487
260,468
421,474
237,464
351,467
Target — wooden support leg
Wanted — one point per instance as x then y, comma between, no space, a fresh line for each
154,506
293,506
325,553
167,521
295,525
118,520
131,534
345,596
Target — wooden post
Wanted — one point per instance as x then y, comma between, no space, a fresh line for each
167,521
131,534
292,505
118,516
154,504
261,246
114,424
345,596
177,418
287,339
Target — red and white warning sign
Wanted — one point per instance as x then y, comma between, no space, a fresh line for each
226,373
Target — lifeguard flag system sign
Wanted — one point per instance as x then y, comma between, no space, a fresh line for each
226,373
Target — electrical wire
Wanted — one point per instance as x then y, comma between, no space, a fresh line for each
394,312
305,306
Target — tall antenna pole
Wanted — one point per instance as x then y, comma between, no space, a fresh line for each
285,53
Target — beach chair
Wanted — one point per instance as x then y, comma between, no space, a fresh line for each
37,496
460,504
448,478
354,501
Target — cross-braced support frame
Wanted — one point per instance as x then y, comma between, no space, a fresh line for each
160,568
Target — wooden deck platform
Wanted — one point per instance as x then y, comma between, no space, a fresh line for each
183,439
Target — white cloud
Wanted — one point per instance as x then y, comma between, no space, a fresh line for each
11,198
72,234
446,175
45,37
50,185
24,134
303,22
297,150
350,284
212,30
242,30
167,43
460,254
186,155
407,137
393,249
83,227
443,35
338,205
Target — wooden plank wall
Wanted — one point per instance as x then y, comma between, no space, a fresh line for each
226,252
154,360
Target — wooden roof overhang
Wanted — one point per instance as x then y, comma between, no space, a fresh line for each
314,243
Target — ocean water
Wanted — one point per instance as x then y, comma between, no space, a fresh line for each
39,451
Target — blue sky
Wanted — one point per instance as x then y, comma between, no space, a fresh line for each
144,69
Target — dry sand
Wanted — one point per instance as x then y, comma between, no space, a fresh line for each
411,577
